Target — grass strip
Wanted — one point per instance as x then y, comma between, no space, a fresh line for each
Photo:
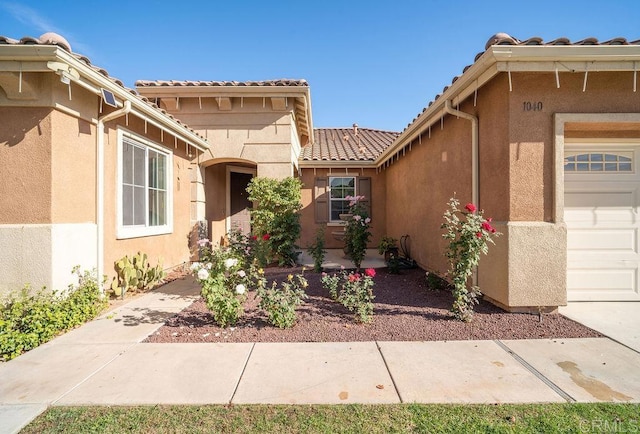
355,418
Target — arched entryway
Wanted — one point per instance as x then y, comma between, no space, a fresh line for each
227,202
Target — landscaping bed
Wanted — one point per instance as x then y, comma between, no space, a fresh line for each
406,309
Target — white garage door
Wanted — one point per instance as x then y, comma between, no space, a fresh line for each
601,208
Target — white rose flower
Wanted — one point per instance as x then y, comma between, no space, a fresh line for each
209,265
240,289
241,273
203,274
195,266
231,262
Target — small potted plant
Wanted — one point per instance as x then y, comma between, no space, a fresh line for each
388,247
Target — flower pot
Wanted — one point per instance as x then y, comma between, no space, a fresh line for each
346,217
389,253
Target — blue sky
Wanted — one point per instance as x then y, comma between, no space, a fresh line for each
376,63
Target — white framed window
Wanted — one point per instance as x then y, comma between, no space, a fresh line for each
145,187
599,161
339,188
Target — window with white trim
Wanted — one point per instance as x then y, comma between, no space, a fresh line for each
145,188
340,187
588,162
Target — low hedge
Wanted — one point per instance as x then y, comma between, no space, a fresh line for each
28,318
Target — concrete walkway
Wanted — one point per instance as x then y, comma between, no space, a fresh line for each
105,363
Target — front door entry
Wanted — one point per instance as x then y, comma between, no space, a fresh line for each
239,202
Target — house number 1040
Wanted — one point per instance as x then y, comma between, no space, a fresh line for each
529,106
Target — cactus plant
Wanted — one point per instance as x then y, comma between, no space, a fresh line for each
135,274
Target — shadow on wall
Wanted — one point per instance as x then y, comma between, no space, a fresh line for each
16,124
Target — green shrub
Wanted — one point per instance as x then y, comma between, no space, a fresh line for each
317,251
280,303
29,319
275,218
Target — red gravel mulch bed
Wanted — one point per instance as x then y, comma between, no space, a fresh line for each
406,309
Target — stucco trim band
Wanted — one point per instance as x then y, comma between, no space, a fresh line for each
44,254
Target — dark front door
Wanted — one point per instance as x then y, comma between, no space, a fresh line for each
239,202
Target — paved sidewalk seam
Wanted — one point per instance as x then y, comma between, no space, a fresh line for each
393,381
535,372
246,362
119,354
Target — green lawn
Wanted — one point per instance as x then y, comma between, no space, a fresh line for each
530,418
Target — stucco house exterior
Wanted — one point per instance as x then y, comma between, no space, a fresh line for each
81,182
544,136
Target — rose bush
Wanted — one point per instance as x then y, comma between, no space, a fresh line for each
225,282
469,234
280,303
353,290
357,230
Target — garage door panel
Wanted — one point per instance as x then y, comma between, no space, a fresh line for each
605,294
601,206
601,212
598,216
603,241
600,198
602,284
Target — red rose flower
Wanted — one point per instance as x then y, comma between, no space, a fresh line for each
470,207
370,272
479,234
254,237
266,237
354,277
487,226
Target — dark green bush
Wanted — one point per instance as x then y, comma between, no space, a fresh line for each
276,218
28,319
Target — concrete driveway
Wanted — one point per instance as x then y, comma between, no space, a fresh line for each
618,320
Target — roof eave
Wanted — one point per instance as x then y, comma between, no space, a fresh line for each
49,53
176,128
159,91
501,58
471,77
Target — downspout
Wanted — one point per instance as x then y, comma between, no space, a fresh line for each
100,184
474,149
475,180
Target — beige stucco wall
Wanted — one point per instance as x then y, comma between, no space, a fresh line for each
378,211
251,130
419,185
73,168
25,162
246,132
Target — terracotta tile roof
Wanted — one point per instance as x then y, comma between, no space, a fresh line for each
343,144
59,41
264,83
506,39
